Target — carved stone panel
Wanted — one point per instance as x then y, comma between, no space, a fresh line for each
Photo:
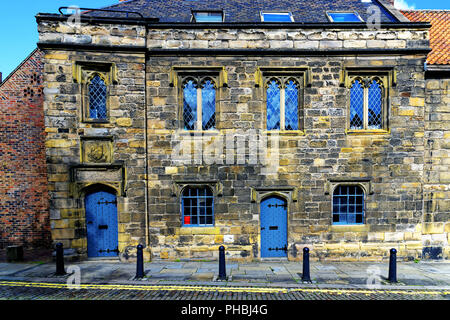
95,150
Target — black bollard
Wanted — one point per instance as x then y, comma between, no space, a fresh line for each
140,262
222,268
393,266
305,274
60,259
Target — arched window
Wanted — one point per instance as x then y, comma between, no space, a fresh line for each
97,98
356,105
199,104
273,105
197,206
348,205
208,105
367,99
375,105
190,105
282,96
291,105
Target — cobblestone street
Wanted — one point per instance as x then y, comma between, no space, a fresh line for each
60,291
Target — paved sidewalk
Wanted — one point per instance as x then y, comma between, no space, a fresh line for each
410,275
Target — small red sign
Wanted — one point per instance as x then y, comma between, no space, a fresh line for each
187,220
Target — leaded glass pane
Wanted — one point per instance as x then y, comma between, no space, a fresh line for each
190,105
97,98
197,206
348,205
208,105
273,106
291,106
356,105
375,103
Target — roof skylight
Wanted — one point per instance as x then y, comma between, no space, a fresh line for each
344,17
277,17
207,16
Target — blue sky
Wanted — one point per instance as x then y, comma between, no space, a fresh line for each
18,29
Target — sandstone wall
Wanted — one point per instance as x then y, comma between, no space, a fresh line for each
390,164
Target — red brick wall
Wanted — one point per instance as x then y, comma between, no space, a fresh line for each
24,203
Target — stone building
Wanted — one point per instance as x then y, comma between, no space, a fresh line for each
436,171
263,126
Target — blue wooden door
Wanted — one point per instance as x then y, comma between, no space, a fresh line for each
273,227
101,222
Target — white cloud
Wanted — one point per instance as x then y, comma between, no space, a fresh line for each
403,5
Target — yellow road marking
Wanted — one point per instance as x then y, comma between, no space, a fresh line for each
216,288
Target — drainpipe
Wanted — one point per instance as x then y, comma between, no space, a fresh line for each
147,218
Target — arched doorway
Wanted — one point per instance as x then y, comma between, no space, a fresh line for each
273,222
101,223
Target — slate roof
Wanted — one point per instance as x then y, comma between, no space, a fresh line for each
308,11
439,33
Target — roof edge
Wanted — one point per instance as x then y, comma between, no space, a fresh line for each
18,67
393,11
154,22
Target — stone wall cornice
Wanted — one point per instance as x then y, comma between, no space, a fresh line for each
290,52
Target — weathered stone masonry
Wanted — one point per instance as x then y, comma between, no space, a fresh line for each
144,117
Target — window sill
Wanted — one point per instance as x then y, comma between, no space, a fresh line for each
349,228
198,132
95,121
285,132
368,132
196,230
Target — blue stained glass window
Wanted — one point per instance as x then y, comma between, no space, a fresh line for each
190,105
291,106
348,205
356,105
197,205
208,105
375,103
273,106
97,98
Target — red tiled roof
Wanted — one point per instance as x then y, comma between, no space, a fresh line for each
439,32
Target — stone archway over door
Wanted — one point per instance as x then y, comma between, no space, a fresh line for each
101,224
273,223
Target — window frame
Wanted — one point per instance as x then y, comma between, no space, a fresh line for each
330,18
83,73
182,198
388,77
302,77
291,16
194,18
364,196
199,80
180,74
87,97
364,79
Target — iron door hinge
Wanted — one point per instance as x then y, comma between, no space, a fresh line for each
276,249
